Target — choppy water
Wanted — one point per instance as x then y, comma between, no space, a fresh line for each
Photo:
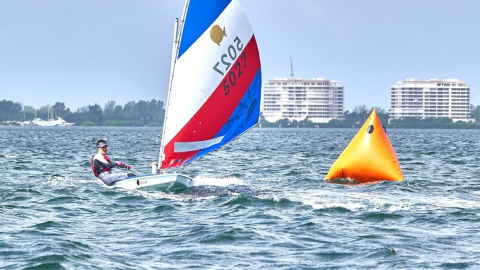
260,202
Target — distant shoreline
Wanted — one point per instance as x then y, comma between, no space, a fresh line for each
3,124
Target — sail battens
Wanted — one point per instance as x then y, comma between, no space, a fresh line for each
181,147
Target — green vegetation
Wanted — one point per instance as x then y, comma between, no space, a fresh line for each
141,113
443,122
154,124
354,119
151,114
359,114
128,123
87,124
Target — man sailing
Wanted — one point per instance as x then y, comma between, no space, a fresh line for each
102,166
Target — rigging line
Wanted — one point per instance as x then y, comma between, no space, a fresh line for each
174,60
177,37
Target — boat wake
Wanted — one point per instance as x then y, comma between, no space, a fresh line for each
214,181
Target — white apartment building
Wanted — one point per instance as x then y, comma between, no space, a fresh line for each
430,99
319,99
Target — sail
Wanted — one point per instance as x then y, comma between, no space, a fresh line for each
216,87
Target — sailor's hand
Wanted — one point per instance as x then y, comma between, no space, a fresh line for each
120,164
127,167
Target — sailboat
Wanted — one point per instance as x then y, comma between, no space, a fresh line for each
214,90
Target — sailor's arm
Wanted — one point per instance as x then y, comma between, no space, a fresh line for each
105,165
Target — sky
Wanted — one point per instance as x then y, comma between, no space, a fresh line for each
85,52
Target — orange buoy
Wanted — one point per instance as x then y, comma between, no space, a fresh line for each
369,157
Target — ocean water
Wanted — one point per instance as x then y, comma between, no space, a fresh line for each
258,203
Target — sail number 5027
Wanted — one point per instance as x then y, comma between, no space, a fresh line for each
236,72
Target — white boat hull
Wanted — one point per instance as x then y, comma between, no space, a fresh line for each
159,182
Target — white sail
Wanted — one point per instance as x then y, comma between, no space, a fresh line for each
215,84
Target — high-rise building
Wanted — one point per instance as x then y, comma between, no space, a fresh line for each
430,99
318,99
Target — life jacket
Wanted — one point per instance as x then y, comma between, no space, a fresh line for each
99,169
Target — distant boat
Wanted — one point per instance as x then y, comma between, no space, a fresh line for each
214,96
60,122
49,123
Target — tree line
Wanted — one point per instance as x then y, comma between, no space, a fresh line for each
141,113
151,113
359,114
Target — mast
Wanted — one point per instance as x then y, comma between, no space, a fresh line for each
291,68
176,46
294,90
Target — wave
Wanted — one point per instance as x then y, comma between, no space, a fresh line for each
360,201
205,180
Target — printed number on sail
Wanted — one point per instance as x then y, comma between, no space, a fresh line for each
232,76
232,52
231,79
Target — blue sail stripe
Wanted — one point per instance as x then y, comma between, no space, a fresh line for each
200,16
244,117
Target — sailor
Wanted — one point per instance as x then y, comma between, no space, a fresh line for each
102,166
